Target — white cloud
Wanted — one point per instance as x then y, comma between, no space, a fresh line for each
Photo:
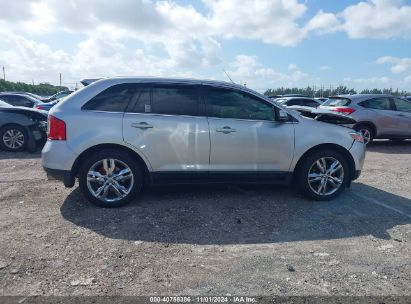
325,68
176,39
271,21
398,65
323,23
247,69
292,66
377,19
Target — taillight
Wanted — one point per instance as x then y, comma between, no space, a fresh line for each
357,136
347,111
56,128
39,107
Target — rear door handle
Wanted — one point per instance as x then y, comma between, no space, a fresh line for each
225,130
141,125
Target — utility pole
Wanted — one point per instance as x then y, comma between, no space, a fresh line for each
60,80
4,73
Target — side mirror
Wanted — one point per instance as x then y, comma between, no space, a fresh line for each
281,115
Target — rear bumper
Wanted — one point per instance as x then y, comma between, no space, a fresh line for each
62,175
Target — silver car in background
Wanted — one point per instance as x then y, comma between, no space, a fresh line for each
117,135
377,116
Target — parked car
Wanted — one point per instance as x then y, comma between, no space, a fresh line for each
46,106
321,99
21,128
274,96
56,96
377,115
119,134
21,100
298,101
408,98
38,97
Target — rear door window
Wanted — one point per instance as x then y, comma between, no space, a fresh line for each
142,101
379,103
337,102
175,100
113,99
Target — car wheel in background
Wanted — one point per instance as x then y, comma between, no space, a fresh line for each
367,133
110,178
323,175
13,138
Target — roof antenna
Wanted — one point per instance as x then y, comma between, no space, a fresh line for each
228,76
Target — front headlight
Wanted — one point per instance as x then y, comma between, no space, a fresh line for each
357,137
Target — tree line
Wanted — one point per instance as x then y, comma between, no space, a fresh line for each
40,89
310,91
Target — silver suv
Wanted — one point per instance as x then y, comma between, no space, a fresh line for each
377,116
118,135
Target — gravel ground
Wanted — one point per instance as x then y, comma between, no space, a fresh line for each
208,240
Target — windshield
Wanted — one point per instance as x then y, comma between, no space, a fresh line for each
336,102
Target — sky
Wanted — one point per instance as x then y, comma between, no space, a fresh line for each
261,43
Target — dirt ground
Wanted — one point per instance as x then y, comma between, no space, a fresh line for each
208,240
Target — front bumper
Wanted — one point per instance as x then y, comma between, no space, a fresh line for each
356,175
358,154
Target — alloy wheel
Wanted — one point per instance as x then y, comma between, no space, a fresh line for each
110,180
13,139
366,134
326,176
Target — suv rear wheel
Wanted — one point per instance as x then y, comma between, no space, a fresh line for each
323,175
110,178
367,133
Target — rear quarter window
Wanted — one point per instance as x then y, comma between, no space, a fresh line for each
113,99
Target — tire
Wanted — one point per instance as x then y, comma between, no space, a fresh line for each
309,166
104,186
367,133
13,135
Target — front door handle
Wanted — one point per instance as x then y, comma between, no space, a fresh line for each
225,130
141,125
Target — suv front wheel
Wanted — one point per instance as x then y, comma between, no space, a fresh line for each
110,178
323,175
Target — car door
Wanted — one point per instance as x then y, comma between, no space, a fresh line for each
245,137
167,126
403,113
380,111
